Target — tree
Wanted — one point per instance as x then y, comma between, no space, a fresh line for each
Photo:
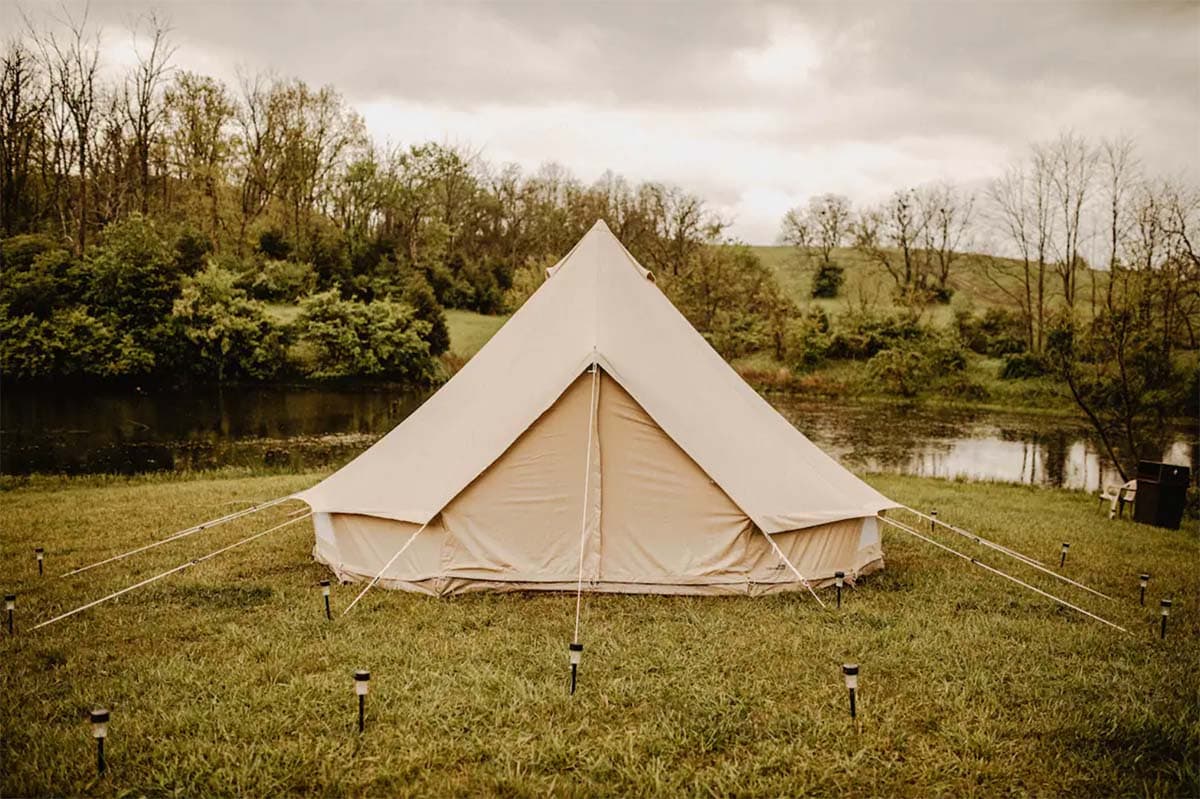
199,112
23,100
142,101
230,335
948,214
1072,169
890,236
343,338
73,63
1021,211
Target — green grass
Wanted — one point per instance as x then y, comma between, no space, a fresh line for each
469,331
227,679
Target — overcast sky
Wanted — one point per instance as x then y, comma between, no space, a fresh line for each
753,106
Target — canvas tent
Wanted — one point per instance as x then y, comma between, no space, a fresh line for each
597,437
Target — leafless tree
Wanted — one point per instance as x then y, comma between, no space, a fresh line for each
23,102
823,225
142,97
72,61
1020,206
1072,161
890,235
948,214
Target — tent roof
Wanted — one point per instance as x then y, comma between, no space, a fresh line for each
599,305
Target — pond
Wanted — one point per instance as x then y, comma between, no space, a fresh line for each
298,428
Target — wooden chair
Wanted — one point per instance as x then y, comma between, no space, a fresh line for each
1118,496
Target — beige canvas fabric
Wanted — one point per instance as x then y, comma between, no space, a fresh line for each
688,469
659,524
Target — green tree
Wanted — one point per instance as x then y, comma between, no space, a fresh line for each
347,338
230,335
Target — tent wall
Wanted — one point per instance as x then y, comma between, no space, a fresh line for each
656,523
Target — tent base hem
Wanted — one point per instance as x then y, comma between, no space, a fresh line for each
451,586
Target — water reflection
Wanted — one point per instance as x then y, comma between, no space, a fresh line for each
307,428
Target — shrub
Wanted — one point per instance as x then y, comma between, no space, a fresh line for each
230,335
69,344
346,338
419,296
998,332
52,281
1022,365
902,370
828,280
283,281
806,340
525,280
861,336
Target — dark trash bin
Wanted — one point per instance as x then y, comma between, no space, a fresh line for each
1161,493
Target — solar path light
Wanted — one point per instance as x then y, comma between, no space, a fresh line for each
10,603
850,673
99,732
575,651
1062,561
40,553
362,683
839,579
325,593
1166,611
1143,581
932,520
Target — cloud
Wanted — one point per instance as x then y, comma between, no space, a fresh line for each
755,106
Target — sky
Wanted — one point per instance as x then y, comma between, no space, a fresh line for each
753,106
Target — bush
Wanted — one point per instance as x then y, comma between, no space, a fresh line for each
902,370
1022,365
806,340
828,280
52,281
862,336
998,332
527,279
283,281
419,296
230,335
347,338
69,344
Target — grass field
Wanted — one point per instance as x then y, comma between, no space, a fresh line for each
469,331
227,679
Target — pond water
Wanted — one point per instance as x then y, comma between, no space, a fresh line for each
320,428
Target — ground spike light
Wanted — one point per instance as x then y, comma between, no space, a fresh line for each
1062,561
362,683
850,672
575,650
1142,582
1166,611
838,579
99,731
325,593
40,553
932,520
10,603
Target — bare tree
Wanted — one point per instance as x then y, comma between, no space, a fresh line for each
260,151
890,236
1072,161
823,225
73,62
142,100
1020,205
948,215
23,102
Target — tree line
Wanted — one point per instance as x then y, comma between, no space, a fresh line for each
1113,339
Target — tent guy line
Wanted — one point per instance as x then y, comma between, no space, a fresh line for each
1012,553
169,572
392,560
795,571
182,534
587,484
905,528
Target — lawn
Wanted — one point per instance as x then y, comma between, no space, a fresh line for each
227,679
469,331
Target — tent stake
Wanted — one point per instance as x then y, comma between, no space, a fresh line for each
1012,553
169,572
905,528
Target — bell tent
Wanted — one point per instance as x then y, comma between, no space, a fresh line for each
596,438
